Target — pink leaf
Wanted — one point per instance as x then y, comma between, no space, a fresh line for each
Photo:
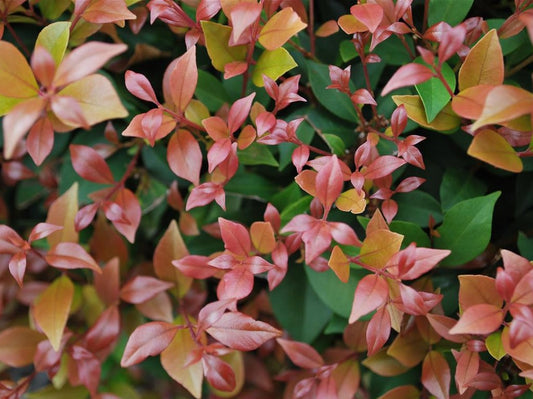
371,293
218,153
329,183
238,284
195,266
90,165
218,373
407,75
149,339
301,354
142,288
235,236
40,140
69,255
183,79
378,330
479,319
241,332
138,85
239,112
204,194
17,266
369,14
184,156
436,375
383,166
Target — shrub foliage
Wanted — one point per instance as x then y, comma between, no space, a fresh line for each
283,198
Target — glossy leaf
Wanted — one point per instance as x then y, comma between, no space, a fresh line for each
447,10
466,229
40,140
216,39
369,14
407,75
52,307
140,86
379,246
483,64
479,319
372,292
329,182
478,289
445,121
492,148
280,28
378,330
434,94
149,339
54,38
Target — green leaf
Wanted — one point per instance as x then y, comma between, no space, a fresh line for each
347,50
458,185
336,102
448,11
54,38
433,92
335,143
303,315
257,154
336,325
525,245
392,51
495,346
251,185
466,229
52,9
296,208
210,91
287,196
216,41
416,207
66,392
272,64
332,291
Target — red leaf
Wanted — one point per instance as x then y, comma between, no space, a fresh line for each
213,311
218,153
85,216
107,284
235,236
243,16
40,140
149,339
301,354
90,165
363,96
522,325
205,193
479,319
378,330
184,156
69,255
218,373
85,369
329,183
299,157
372,292
383,166
442,325
239,112
142,288
407,75
237,284
451,42
424,260
42,230
102,336
183,79
523,293
369,14
195,266
241,332
436,375
106,11
138,85
467,368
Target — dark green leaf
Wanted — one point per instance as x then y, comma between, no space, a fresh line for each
525,245
466,229
296,208
433,93
257,154
449,11
417,207
251,185
303,315
458,185
210,91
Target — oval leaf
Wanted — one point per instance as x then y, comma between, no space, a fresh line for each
90,165
149,339
69,255
280,28
184,156
492,148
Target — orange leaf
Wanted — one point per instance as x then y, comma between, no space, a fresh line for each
16,76
62,212
383,364
18,345
174,360
171,247
262,235
107,11
280,28
436,375
477,289
328,28
183,79
408,348
107,283
483,64
469,102
379,246
504,103
369,14
402,392
52,307
339,263
479,319
492,148
350,25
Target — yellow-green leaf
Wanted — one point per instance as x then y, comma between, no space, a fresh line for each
495,346
280,28
174,359
272,64
62,213
216,41
54,38
52,307
379,246
196,112
483,64
351,201
492,148
445,121
97,98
